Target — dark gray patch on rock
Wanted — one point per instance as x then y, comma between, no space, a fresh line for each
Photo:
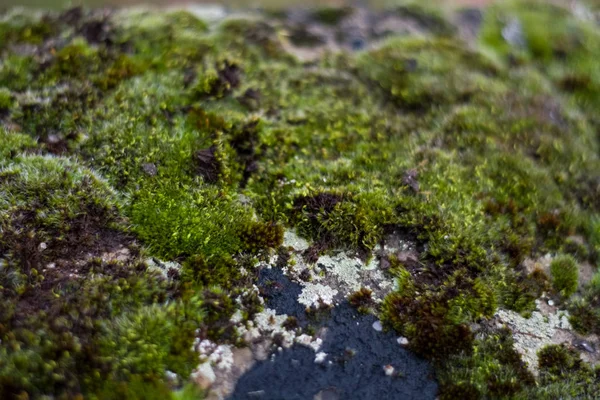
281,294
353,368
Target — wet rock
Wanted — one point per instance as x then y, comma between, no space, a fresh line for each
293,375
280,293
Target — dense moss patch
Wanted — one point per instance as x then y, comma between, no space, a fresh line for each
197,142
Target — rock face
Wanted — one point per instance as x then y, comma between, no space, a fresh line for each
350,362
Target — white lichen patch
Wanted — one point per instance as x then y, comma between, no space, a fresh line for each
266,325
346,269
309,341
531,334
163,267
220,355
291,239
316,295
320,357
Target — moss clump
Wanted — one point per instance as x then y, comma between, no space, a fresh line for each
559,360
6,100
585,311
565,274
340,219
180,221
436,317
13,144
362,300
564,44
56,202
19,27
491,369
563,375
331,15
427,17
418,73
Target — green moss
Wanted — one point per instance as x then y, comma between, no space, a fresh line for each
331,15
436,318
563,43
12,144
492,369
482,155
20,27
16,72
565,274
341,219
70,205
585,311
563,375
179,221
6,100
362,300
427,17
152,340
419,73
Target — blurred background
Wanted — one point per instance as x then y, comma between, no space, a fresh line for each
228,3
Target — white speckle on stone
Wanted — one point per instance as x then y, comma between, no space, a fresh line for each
309,341
313,292
320,357
237,317
291,239
377,326
402,341
389,370
51,266
204,376
43,246
171,376
551,303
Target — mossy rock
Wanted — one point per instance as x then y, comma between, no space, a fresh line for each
197,142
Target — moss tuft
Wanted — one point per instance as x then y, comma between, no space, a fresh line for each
331,15
492,369
362,300
565,274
